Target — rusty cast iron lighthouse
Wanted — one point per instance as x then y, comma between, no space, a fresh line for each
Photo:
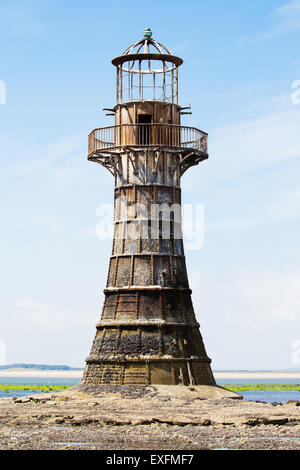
148,333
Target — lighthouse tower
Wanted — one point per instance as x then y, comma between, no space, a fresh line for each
148,333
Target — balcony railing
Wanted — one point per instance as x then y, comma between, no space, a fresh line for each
145,135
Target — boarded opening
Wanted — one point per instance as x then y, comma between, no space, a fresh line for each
161,373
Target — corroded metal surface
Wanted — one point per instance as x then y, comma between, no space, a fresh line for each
148,333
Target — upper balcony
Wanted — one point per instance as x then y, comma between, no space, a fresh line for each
112,138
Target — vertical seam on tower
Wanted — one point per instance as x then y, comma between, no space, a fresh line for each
116,271
131,270
137,305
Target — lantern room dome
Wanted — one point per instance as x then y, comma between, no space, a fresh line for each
147,45
149,50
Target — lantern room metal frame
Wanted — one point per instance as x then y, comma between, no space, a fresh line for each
147,70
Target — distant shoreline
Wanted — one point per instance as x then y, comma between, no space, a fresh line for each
67,374
78,374
257,375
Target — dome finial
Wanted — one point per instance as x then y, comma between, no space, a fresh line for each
147,33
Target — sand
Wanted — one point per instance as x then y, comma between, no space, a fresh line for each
72,374
63,374
256,375
152,417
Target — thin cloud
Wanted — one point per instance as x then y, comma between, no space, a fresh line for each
250,296
258,157
285,206
260,142
256,144
271,295
21,18
60,151
47,316
286,20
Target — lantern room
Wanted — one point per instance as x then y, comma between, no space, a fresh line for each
147,71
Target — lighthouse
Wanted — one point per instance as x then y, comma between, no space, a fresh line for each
148,332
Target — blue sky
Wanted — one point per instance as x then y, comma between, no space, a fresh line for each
240,60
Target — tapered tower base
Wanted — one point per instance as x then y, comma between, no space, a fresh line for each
180,372
159,342
148,336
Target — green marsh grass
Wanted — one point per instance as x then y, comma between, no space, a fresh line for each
234,387
261,387
33,388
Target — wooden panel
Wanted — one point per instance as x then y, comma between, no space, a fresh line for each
127,307
131,242
135,374
142,271
162,275
150,306
123,272
161,373
112,272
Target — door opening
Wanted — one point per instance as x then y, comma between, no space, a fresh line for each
144,129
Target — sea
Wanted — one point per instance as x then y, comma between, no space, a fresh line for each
263,396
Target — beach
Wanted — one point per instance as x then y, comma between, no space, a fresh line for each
257,375
146,417
72,374
34,373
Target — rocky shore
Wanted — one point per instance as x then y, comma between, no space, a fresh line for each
152,417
